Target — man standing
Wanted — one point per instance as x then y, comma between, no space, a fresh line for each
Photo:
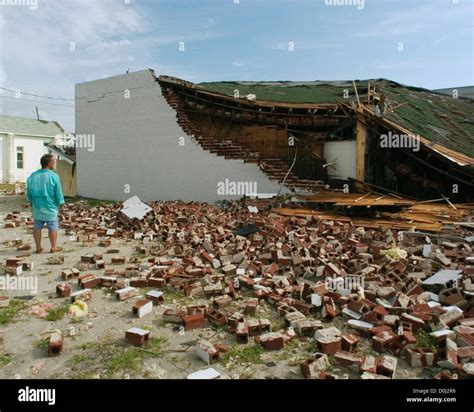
46,196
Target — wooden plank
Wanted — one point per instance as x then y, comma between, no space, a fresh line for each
362,197
364,222
356,93
449,202
361,131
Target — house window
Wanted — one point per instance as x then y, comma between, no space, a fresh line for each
19,157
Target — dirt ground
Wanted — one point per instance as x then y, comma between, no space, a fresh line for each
94,346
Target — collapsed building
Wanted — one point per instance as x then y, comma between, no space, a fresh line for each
165,138
372,285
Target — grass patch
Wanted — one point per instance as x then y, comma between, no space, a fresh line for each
161,323
9,313
41,344
171,295
76,359
237,355
293,344
89,345
91,202
309,346
291,350
130,359
57,313
110,359
423,338
4,360
156,345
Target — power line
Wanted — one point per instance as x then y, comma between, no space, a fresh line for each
35,95
36,101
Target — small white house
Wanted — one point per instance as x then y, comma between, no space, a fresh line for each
22,143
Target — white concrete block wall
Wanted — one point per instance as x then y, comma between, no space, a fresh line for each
137,147
3,158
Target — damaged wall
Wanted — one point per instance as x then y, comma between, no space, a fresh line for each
345,153
137,146
67,173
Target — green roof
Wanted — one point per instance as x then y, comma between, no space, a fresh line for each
440,119
464,91
437,117
27,126
284,91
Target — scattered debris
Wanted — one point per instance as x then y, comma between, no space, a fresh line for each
209,373
275,280
40,310
78,309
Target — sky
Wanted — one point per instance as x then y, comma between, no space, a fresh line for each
47,46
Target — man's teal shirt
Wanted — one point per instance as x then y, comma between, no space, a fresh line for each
45,194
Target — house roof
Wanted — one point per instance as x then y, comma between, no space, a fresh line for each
284,91
464,91
27,126
440,119
67,155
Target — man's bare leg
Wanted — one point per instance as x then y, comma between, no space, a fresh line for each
53,238
37,237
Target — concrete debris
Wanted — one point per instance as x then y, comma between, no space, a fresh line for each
134,208
4,301
127,293
313,366
207,352
209,373
142,307
156,297
137,336
443,278
40,310
55,344
81,295
357,299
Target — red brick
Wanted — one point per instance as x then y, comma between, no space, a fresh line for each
271,341
193,321
329,345
137,336
63,290
381,342
55,345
